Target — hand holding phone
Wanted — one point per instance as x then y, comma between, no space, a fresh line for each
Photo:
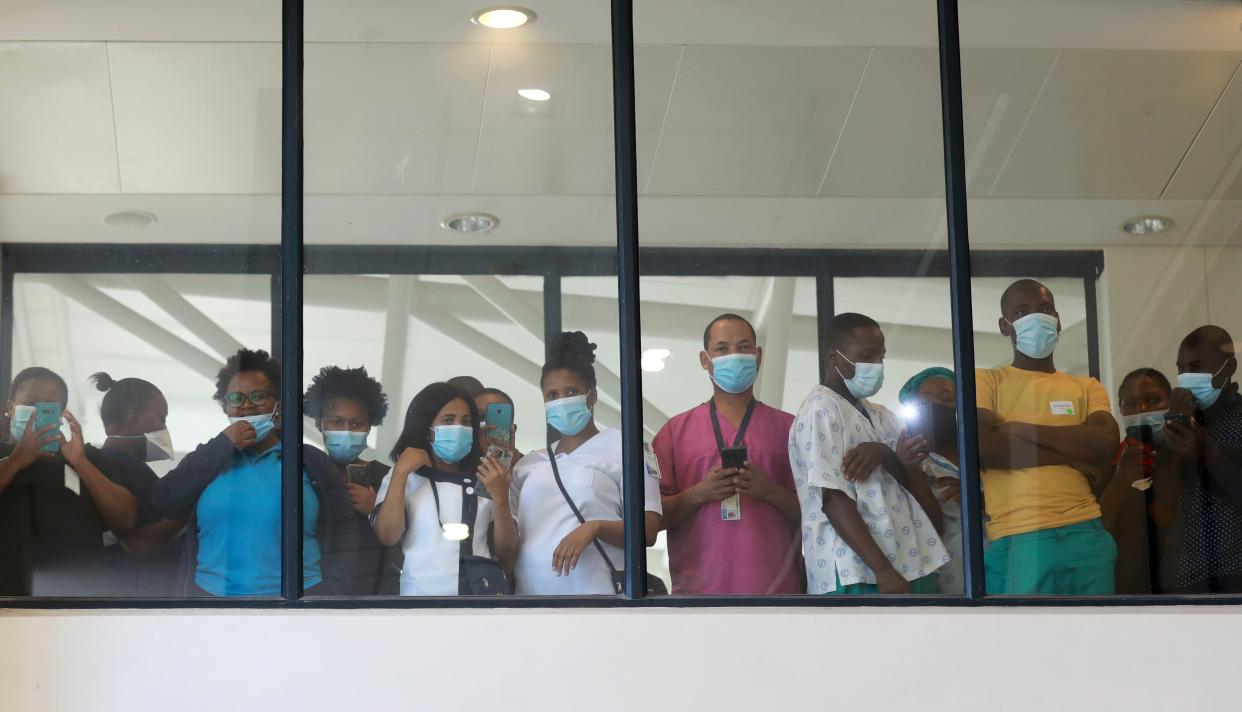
732,458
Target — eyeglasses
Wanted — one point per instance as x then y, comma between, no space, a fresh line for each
237,399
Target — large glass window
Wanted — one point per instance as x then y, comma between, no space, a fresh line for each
1108,468
443,166
463,337
139,180
796,450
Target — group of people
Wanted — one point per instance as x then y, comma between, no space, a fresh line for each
458,512
843,497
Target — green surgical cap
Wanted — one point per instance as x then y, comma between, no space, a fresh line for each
911,389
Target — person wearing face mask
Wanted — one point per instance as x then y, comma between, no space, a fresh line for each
1044,437
569,511
54,505
142,562
929,403
730,530
1127,498
870,523
345,403
228,490
1203,437
445,505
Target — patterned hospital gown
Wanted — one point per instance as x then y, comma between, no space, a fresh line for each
950,575
826,428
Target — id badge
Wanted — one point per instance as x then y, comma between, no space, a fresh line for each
731,508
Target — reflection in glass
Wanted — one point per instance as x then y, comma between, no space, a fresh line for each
1105,470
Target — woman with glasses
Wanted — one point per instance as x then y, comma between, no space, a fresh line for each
229,490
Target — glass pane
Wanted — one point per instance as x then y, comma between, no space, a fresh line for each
141,168
443,159
780,127
1107,472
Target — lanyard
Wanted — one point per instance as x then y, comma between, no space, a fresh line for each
741,428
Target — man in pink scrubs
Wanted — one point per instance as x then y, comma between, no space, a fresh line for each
731,530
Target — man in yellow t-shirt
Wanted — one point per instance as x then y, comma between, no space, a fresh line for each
1042,435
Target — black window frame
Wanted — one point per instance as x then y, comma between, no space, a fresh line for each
288,263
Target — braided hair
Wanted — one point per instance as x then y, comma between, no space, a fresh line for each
571,351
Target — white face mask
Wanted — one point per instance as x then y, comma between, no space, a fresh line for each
159,444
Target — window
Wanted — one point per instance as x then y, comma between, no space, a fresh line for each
605,304
140,179
1127,143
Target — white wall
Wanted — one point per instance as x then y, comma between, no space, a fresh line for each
768,660
1151,297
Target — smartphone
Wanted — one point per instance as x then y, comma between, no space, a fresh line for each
47,414
731,507
500,415
733,457
501,454
356,474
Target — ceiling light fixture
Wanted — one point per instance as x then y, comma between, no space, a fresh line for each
130,219
534,94
470,223
505,17
1147,225
652,360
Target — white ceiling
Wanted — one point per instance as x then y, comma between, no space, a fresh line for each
785,123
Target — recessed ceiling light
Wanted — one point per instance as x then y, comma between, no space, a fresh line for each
1147,225
470,223
131,219
534,94
652,360
505,17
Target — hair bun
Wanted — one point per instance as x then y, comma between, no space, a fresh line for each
573,344
103,382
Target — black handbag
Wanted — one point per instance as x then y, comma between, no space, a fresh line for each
655,584
476,575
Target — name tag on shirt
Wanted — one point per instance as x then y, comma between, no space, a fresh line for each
73,482
1062,407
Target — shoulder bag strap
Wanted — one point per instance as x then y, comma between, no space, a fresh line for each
581,520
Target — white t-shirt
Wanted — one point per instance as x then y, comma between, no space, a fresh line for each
431,561
826,428
592,476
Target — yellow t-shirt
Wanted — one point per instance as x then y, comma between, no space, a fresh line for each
1034,498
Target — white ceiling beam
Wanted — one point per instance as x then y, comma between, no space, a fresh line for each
396,343
499,354
509,303
773,317
114,311
155,288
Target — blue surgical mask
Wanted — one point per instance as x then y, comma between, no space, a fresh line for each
735,373
1200,385
568,415
21,418
1036,334
452,442
345,446
867,380
263,424
1154,419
